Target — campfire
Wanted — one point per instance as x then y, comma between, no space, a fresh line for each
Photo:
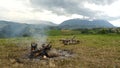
46,51
40,52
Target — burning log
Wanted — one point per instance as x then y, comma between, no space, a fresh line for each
41,52
33,47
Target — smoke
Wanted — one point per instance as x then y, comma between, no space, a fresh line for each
38,32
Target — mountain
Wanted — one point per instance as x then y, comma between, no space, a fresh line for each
36,28
15,29
80,23
11,29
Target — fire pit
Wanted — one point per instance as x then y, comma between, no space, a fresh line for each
46,51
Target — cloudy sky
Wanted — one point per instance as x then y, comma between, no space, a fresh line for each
59,10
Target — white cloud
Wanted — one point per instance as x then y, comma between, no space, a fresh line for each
14,9
14,5
116,22
112,10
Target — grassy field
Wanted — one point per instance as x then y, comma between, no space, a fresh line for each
94,51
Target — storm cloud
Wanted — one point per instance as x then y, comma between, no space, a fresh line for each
66,7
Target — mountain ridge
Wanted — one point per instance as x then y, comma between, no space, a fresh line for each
84,23
16,29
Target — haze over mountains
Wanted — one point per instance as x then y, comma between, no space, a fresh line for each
15,29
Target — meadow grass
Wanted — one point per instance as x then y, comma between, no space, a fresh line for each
94,51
